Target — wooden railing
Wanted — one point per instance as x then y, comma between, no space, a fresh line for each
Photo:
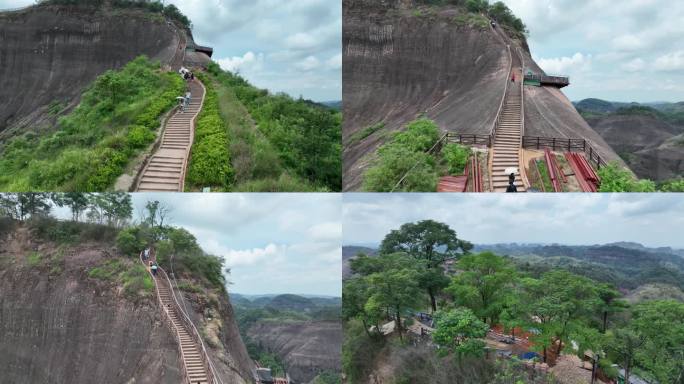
565,144
469,139
492,133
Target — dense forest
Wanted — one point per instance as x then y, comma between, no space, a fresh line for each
425,267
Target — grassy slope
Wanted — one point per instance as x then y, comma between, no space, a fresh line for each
275,143
116,119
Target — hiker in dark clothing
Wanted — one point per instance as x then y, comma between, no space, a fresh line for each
513,78
511,183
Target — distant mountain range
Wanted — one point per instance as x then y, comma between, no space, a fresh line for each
303,303
649,137
336,105
625,264
603,106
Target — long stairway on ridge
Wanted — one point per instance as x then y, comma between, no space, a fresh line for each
193,357
165,170
507,141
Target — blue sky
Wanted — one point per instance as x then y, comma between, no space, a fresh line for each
273,242
574,219
291,46
627,50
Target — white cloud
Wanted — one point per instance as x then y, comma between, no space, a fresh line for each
335,62
249,257
635,65
650,219
628,43
308,64
673,61
249,61
301,40
565,65
328,231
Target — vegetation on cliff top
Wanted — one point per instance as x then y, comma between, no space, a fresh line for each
117,118
105,217
295,145
406,155
498,11
170,11
556,308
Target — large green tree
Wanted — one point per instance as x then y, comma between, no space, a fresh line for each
431,242
661,324
393,290
460,331
559,305
483,284
622,347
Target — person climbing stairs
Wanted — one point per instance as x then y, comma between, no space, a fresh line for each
165,171
193,356
507,140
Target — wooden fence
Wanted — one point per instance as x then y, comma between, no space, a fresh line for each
565,144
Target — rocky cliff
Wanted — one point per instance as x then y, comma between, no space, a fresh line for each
402,60
306,348
58,324
653,148
50,53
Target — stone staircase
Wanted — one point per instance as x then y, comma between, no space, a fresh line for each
165,170
507,141
195,371
195,364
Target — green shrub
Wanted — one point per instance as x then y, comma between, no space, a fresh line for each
456,157
406,152
615,178
672,186
33,259
116,118
137,281
305,136
108,271
129,243
210,161
132,276
365,132
139,136
420,135
284,183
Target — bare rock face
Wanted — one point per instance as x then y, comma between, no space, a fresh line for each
58,325
654,149
402,60
398,66
62,327
305,347
49,54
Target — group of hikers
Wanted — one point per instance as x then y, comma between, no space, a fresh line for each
184,101
186,74
152,264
